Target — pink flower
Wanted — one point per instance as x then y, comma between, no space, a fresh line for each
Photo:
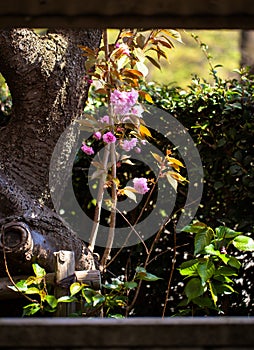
140,185
137,149
128,145
87,150
124,48
104,119
137,110
109,137
123,101
97,135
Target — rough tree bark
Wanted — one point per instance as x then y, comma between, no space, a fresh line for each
45,75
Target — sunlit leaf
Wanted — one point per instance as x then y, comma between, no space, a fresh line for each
189,268
115,316
66,299
52,301
225,232
174,162
20,286
195,227
142,274
210,249
32,290
173,33
130,194
31,309
173,182
157,157
213,292
176,176
75,288
144,131
98,299
234,262
39,271
243,243
142,68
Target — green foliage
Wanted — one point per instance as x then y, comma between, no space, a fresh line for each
210,275
36,286
220,120
112,300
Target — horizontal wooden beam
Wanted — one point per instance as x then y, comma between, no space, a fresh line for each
133,333
121,13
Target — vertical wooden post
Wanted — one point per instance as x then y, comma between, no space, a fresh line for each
65,267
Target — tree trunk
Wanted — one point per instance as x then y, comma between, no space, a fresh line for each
46,77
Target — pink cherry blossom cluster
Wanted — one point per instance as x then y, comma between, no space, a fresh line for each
140,185
108,137
87,149
123,101
128,145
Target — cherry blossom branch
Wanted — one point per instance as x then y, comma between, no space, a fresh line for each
100,195
111,233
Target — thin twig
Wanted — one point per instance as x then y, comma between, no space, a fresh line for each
100,195
111,234
170,276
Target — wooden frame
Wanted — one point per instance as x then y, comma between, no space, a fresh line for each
198,14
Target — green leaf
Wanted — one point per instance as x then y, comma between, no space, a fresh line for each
203,302
193,288
210,249
226,271
195,227
31,309
225,289
206,270
88,294
116,316
21,286
202,239
189,268
32,290
116,284
225,232
142,274
130,285
66,299
75,288
234,262
51,300
39,271
243,243
98,299
183,302
213,292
